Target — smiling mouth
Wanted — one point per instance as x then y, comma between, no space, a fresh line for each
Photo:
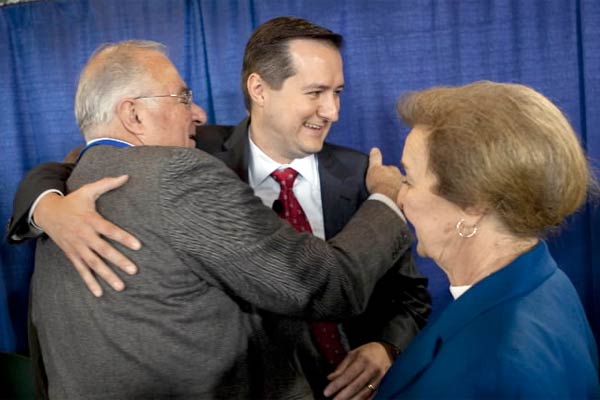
313,126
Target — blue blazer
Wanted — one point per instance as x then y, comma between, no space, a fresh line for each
519,333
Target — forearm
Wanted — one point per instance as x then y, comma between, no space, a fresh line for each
40,179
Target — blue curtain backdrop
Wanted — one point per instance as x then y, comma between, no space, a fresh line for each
391,46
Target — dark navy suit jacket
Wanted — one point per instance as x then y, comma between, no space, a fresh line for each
519,333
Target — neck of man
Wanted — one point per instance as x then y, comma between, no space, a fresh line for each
112,131
257,130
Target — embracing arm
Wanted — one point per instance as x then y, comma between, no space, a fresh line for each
45,177
72,223
233,242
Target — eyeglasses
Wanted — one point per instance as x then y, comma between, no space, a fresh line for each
184,97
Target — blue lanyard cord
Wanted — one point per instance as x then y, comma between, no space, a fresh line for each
106,142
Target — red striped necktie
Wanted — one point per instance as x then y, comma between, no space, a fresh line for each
325,334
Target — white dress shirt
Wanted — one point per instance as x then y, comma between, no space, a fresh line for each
307,186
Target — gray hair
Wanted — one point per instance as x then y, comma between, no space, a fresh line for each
114,71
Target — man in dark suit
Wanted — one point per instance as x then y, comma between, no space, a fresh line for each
211,252
292,77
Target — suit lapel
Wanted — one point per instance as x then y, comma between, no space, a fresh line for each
339,200
235,150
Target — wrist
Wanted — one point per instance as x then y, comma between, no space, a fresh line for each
386,190
391,350
41,207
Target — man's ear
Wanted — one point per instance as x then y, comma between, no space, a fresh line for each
130,117
256,89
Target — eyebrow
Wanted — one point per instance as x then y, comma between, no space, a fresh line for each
320,86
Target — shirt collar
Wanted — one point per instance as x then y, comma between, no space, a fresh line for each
261,165
458,291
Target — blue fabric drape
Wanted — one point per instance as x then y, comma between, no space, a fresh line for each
391,47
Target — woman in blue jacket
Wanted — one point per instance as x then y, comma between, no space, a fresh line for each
490,169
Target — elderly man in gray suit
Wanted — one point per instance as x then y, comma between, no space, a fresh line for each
211,250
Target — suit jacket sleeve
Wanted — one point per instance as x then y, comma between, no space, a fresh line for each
397,309
400,303
231,240
41,178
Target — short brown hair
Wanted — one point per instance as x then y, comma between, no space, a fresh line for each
267,52
504,146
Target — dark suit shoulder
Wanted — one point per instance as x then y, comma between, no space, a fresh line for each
344,151
344,162
211,138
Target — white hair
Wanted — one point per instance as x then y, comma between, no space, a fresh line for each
103,84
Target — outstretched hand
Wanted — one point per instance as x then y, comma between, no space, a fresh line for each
73,223
384,179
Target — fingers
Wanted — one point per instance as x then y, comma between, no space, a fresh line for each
363,366
375,157
344,379
83,254
357,388
98,188
384,179
94,263
107,228
74,225
112,231
341,368
87,276
88,265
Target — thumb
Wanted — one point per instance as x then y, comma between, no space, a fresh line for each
98,188
375,158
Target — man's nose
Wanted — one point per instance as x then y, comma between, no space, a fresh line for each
198,114
330,107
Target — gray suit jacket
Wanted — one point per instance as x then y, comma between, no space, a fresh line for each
397,308
211,252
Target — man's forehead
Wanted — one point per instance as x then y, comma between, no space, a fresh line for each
312,58
301,49
164,72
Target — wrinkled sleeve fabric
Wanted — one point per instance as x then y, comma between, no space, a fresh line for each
231,240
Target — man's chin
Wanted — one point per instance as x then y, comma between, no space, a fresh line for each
313,145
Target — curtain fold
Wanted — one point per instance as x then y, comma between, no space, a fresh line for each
390,47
